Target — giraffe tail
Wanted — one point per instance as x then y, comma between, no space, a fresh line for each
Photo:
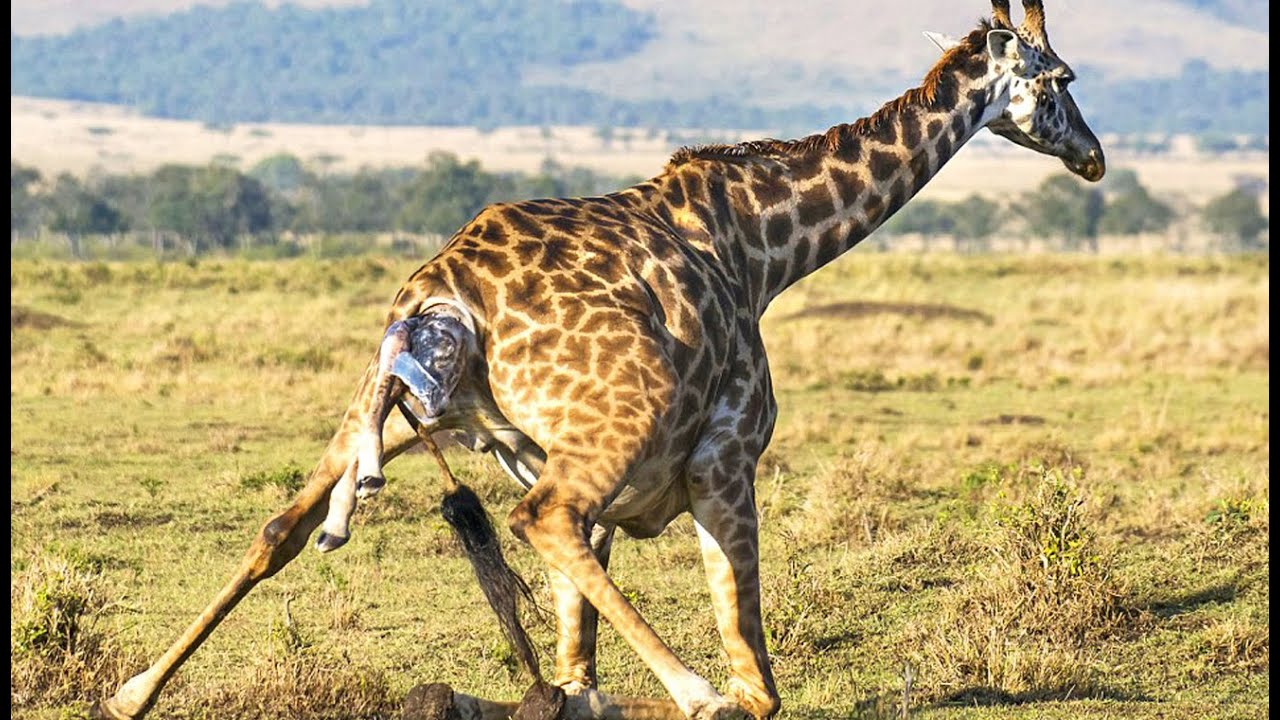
426,354
503,588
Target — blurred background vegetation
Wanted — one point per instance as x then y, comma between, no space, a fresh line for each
283,207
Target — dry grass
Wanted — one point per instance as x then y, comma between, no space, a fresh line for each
920,500
1023,626
60,649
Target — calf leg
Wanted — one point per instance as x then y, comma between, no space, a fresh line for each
342,505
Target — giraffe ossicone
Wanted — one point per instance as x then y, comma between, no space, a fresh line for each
607,352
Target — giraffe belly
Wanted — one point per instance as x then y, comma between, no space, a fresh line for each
650,500
653,496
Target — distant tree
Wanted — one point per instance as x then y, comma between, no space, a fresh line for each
208,206
281,172
173,205
974,220
230,204
1130,209
924,217
448,194
1064,208
79,212
373,205
1216,143
1237,217
536,186
25,208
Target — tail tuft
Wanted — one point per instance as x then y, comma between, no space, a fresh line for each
502,587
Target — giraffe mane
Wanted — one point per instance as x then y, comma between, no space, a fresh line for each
835,138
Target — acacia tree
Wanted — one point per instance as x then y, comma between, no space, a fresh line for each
1237,218
1062,207
1130,209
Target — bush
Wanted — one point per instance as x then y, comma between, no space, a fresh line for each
289,478
57,650
1022,629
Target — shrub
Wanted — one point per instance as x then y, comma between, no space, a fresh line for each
289,478
1022,628
58,652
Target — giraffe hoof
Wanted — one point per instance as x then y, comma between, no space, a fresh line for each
107,710
540,702
429,702
328,543
368,486
723,710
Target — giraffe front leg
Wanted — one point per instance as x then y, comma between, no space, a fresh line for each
728,534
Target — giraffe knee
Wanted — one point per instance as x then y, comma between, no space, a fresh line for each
275,545
537,516
523,519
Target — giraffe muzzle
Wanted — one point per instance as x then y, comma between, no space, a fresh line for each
1092,167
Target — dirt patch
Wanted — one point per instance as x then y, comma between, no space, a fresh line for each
113,519
864,308
1007,419
24,318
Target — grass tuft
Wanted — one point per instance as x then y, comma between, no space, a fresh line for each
1022,629
58,652
289,478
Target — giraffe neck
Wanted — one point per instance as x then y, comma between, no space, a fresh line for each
796,206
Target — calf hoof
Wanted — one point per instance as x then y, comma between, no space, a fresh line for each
540,702
368,486
328,543
429,702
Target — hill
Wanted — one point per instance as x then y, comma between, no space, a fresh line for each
633,63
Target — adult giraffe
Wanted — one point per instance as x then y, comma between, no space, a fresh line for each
607,350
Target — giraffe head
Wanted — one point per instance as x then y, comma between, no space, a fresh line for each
1039,112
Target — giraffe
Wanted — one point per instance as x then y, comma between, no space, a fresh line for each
607,352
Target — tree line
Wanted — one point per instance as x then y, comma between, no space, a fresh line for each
216,206
1072,215
204,208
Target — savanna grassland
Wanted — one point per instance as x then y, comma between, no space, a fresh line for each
1000,487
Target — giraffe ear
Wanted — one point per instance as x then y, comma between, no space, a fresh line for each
1002,45
944,42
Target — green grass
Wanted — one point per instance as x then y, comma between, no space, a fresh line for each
162,412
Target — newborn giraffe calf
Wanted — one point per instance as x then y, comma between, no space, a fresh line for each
424,355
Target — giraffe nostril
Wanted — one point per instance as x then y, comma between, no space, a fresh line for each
1095,166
